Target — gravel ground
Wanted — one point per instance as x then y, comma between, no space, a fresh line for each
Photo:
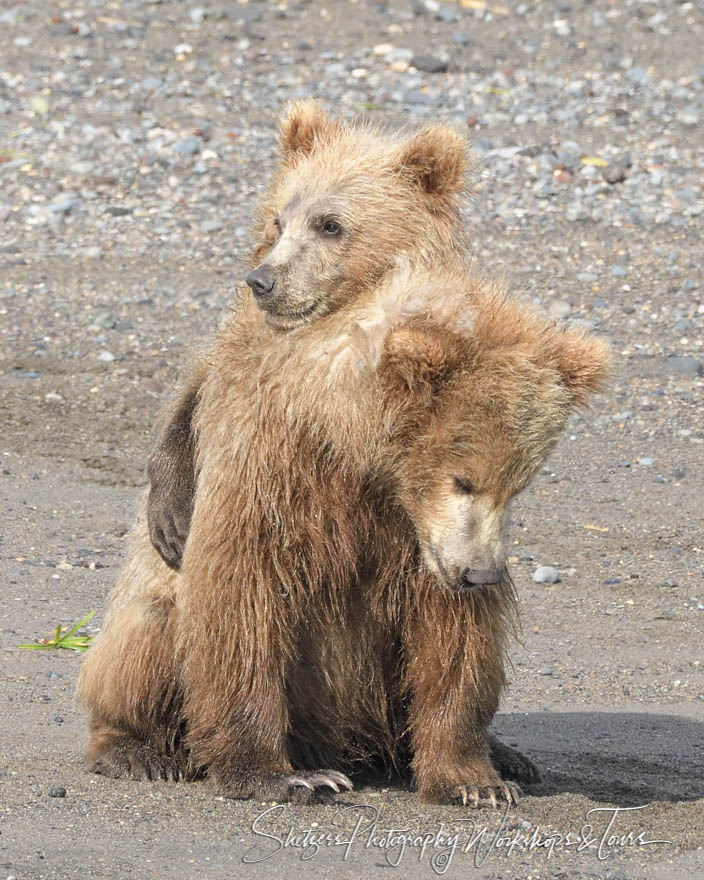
135,138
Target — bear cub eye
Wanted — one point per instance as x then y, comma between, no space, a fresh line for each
330,227
463,484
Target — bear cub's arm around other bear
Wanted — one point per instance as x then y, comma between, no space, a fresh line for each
171,472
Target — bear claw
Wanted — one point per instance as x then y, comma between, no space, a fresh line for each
300,787
333,779
474,794
322,778
298,780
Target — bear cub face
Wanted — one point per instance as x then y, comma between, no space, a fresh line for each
487,410
345,203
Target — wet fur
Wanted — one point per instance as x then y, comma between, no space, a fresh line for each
304,629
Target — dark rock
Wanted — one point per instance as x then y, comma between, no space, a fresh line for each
614,172
429,64
57,791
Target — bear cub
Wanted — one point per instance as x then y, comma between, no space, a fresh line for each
333,589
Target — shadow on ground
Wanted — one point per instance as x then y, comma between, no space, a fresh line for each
626,758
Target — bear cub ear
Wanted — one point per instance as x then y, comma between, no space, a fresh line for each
437,160
584,363
419,360
304,123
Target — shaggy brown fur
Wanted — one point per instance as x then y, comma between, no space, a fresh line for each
330,608
386,196
306,629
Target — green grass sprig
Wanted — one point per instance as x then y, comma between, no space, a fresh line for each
64,639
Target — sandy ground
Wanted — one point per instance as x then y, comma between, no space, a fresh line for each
607,689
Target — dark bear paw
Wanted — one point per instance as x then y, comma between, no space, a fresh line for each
298,787
133,760
512,764
492,795
169,540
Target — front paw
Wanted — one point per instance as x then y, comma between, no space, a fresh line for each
475,784
168,541
296,787
128,758
169,524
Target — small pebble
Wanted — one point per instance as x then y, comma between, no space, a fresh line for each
189,147
63,206
429,64
689,365
106,320
546,574
447,13
58,791
614,172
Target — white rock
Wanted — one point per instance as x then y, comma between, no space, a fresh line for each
546,574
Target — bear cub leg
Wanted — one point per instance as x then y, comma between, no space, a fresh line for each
456,687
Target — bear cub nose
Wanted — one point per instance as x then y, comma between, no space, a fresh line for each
262,281
475,576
